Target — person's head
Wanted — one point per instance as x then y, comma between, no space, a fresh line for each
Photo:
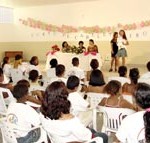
148,66
55,102
75,61
115,36
96,78
94,64
33,75
18,57
122,71
5,61
34,61
123,34
24,82
91,42
81,43
20,91
53,63
60,70
73,83
134,75
142,97
113,87
64,44
1,75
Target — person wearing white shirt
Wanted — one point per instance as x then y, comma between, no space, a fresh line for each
34,62
122,78
77,102
122,42
24,117
57,120
146,76
75,70
6,67
60,73
134,127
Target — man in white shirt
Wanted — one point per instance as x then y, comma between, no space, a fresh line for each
146,76
122,78
75,70
132,129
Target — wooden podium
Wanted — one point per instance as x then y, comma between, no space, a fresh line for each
12,54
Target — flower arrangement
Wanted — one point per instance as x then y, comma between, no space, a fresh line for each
72,49
55,48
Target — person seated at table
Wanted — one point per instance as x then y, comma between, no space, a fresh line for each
115,100
92,47
81,47
65,47
146,76
31,96
122,71
134,128
57,120
129,88
7,68
24,117
75,70
96,83
76,100
94,65
60,73
51,72
18,64
34,62
2,84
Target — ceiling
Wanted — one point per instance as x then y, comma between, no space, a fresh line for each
27,3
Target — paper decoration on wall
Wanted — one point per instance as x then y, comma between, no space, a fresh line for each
37,24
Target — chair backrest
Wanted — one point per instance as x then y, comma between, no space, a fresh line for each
113,117
16,75
10,97
51,73
129,98
7,133
3,107
95,98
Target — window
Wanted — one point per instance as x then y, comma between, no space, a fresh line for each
6,15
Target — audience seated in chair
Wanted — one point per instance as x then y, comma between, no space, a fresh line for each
51,72
129,88
94,65
33,65
75,70
23,116
122,76
115,100
58,122
60,74
96,83
135,127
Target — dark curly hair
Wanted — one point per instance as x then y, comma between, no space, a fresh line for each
55,101
33,59
122,71
134,75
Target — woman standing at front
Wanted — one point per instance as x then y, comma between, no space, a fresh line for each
122,42
114,50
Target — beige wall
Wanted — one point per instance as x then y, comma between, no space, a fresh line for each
138,52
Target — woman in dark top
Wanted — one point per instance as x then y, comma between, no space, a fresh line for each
114,50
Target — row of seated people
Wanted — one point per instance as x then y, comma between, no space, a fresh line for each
61,104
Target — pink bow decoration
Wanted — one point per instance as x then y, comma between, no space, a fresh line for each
51,52
92,53
148,110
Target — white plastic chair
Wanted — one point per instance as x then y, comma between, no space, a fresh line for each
129,98
3,107
112,117
51,73
95,98
8,132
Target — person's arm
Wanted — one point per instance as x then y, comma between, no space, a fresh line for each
125,104
102,103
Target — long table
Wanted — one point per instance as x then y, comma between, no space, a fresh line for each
66,59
